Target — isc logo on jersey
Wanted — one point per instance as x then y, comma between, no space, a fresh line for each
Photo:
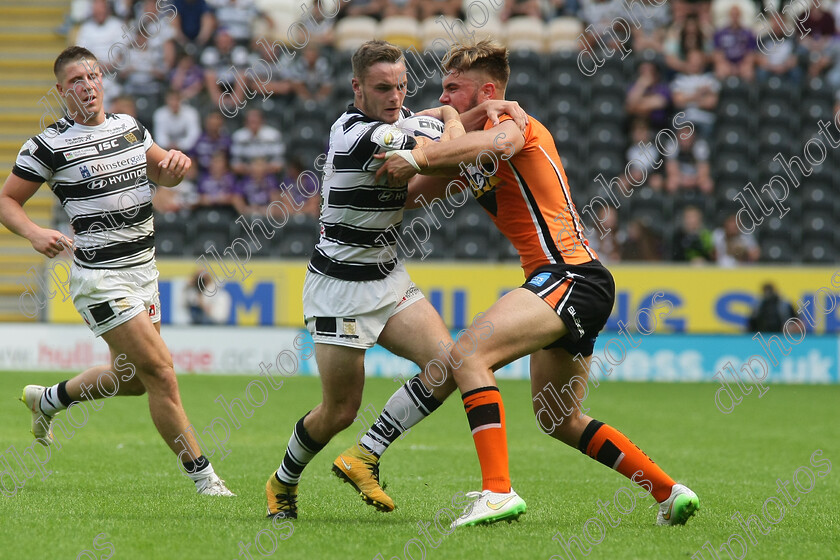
422,126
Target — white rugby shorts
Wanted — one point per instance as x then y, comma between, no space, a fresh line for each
107,298
348,313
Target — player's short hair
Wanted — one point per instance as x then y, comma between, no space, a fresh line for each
373,52
71,55
485,56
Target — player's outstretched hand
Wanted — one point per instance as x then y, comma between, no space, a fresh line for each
497,107
399,167
50,242
174,166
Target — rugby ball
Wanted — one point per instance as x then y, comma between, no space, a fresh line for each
421,126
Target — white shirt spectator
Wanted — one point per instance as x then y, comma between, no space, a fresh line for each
179,130
221,62
99,38
730,250
690,84
267,143
600,13
237,16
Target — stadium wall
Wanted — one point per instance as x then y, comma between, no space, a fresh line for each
699,300
813,359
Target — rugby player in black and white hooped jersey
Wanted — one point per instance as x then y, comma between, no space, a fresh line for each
99,166
357,293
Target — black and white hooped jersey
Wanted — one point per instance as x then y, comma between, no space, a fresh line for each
359,218
98,174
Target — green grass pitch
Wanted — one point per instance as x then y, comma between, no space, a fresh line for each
116,477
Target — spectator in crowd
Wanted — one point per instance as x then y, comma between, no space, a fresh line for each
687,167
161,36
213,139
256,140
606,239
600,14
649,97
647,161
735,49
701,9
771,312
320,28
817,39
311,75
185,197
307,182
204,309
217,186
653,18
238,17
560,8
777,56
514,8
176,125
641,243
187,77
255,191
696,93
732,246
98,35
194,24
273,70
220,62
123,104
434,8
401,8
692,241
143,75
369,8
684,37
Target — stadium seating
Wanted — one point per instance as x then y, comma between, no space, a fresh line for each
563,34
401,31
173,234
525,34
297,238
351,32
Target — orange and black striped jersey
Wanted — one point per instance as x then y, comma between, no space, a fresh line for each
528,197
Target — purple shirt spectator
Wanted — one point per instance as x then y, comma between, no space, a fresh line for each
735,43
257,192
215,187
296,184
207,145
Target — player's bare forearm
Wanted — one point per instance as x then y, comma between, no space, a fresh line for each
505,139
14,195
428,188
14,218
166,168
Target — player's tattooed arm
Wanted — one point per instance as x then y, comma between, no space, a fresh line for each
166,168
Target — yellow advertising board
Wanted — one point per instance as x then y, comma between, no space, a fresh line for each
701,300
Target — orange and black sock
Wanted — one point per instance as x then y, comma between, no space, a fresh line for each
486,415
607,445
